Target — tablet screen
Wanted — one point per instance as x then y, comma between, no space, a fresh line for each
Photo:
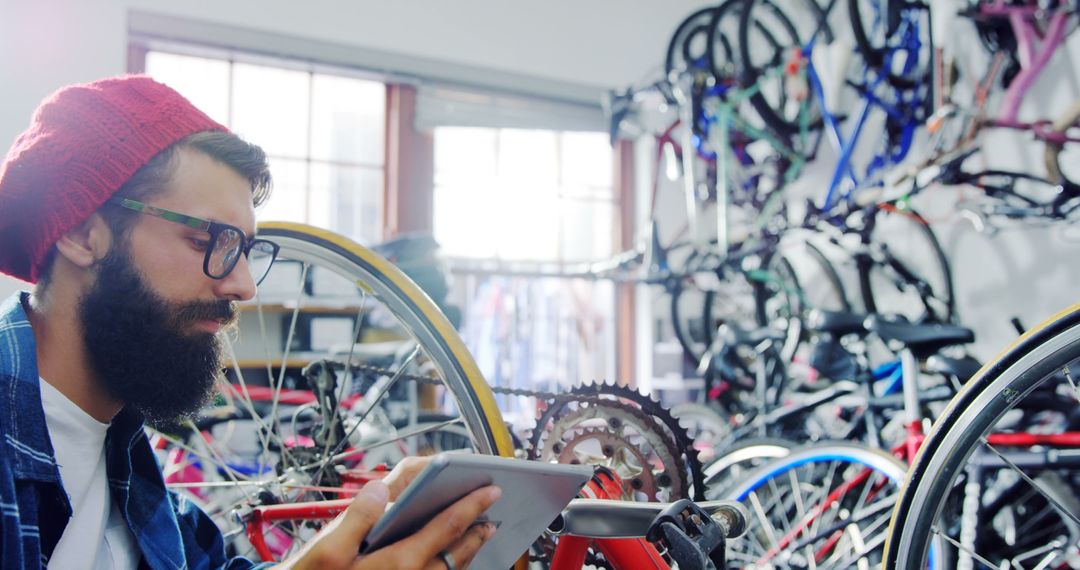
533,494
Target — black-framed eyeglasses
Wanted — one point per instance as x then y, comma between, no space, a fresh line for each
225,245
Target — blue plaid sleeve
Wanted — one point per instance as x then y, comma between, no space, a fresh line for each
203,543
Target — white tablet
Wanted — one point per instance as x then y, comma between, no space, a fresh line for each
533,495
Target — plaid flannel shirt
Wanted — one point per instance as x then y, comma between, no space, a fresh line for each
171,531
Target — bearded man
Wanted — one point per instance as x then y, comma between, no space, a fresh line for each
133,214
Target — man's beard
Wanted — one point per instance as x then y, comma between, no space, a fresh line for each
145,351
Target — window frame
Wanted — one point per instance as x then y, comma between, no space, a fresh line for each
140,47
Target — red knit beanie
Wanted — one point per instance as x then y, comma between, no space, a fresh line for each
83,144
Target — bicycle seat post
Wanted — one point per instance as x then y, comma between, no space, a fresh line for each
761,388
718,138
909,368
688,99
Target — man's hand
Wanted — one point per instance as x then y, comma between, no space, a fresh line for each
452,531
404,473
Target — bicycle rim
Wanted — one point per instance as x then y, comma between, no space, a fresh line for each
823,506
322,273
732,465
946,486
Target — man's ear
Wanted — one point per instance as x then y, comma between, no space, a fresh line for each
87,242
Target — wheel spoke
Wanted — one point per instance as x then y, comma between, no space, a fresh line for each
1034,484
264,432
936,531
356,280
764,520
399,437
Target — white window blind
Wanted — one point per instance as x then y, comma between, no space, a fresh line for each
441,105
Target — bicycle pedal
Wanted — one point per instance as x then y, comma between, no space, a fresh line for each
689,536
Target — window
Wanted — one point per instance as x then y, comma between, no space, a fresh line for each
524,195
529,197
324,130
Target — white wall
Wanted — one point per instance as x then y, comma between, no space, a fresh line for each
602,43
48,43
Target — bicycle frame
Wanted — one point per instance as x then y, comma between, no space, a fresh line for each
907,449
1033,58
846,145
1035,48
907,370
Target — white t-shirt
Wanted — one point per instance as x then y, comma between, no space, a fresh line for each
97,535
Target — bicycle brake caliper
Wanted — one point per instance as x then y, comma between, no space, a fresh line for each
690,536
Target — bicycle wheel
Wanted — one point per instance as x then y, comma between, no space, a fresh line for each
689,48
325,288
703,301
907,272
732,465
893,37
722,34
748,299
970,479
824,506
771,61
783,300
822,287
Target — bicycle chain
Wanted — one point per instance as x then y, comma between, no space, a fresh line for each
368,368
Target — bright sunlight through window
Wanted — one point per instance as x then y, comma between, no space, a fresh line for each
324,134
524,195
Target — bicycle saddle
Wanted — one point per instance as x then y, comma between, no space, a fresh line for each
836,323
922,339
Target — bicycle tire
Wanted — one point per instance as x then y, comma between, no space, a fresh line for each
694,321
834,297
685,332
873,52
998,388
678,50
376,280
464,381
762,15
864,474
924,257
